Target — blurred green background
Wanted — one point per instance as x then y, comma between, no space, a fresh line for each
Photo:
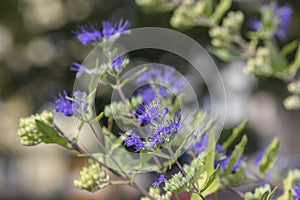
36,51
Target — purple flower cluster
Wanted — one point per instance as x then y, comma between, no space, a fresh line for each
165,78
160,130
202,144
135,141
146,113
160,180
147,93
297,192
75,105
117,64
223,159
284,15
165,131
80,69
90,33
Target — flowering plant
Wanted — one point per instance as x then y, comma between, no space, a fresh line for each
155,131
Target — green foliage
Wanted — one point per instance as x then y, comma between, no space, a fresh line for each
261,193
119,110
220,10
28,130
92,177
155,5
269,157
288,183
235,133
51,136
236,154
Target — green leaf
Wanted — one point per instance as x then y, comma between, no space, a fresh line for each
132,77
210,166
269,157
288,183
144,158
235,133
277,60
116,143
199,116
98,118
221,9
182,145
261,193
270,195
212,177
224,54
289,48
51,136
195,196
178,102
236,154
295,65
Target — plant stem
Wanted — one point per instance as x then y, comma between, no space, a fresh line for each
82,151
126,179
108,154
238,193
258,178
184,172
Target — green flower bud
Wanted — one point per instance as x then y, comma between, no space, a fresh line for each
183,18
292,102
156,194
178,183
260,64
294,87
92,177
28,131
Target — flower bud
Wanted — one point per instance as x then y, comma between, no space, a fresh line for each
92,177
28,130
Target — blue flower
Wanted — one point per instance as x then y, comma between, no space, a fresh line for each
201,145
259,157
165,131
165,77
256,25
64,105
75,105
116,64
161,180
111,28
219,148
80,69
238,164
285,16
223,159
147,93
134,140
163,92
157,138
147,112
223,163
176,122
88,34
297,192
